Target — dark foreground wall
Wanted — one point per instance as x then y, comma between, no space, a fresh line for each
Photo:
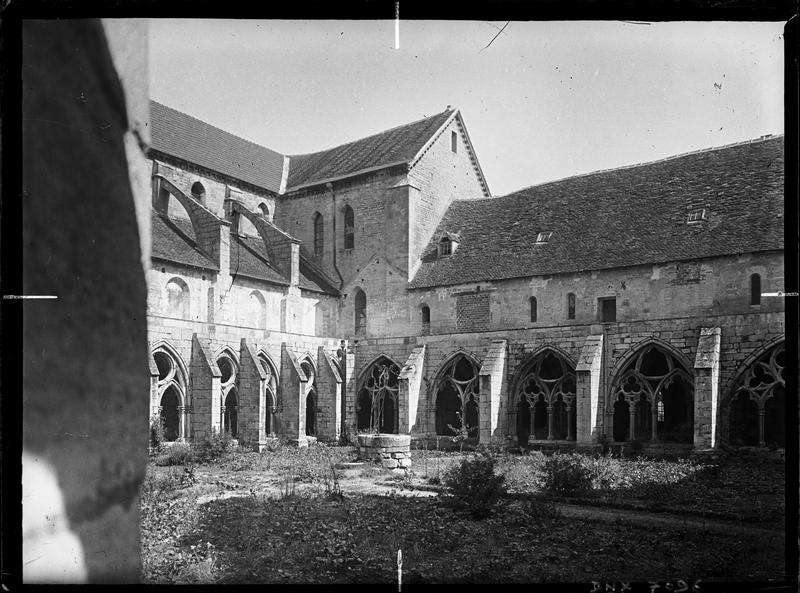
85,370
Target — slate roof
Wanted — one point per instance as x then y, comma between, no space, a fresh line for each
313,274
173,240
620,217
189,139
248,257
398,145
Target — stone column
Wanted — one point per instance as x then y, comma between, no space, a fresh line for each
329,397
706,387
410,385
569,422
252,380
491,380
654,422
762,442
549,421
181,423
588,398
632,413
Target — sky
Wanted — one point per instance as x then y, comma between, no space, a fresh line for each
541,100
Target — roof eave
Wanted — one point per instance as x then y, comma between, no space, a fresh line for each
345,176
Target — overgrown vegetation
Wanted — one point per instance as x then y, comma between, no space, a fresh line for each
474,486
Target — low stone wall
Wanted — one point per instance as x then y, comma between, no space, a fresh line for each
393,451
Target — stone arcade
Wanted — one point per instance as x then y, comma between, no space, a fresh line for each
379,285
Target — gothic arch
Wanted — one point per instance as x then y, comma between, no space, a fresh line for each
544,392
180,368
456,394
171,390
755,404
377,399
634,349
273,406
652,395
730,384
178,298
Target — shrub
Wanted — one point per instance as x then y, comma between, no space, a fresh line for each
177,454
211,448
157,432
567,474
473,485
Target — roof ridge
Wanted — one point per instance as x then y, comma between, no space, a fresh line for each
397,127
205,123
764,138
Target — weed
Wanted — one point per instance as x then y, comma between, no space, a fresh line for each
567,474
176,454
474,486
211,448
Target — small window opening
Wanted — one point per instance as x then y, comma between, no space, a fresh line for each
198,192
426,320
453,141
755,289
349,228
608,309
445,246
319,235
544,237
695,216
534,312
264,209
571,306
661,411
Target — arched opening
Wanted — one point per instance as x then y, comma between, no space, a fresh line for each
743,421
661,392
457,398
257,309
377,408
763,383
349,228
170,418
271,399
311,414
360,312
231,416
533,309
571,306
264,210
177,298
622,417
547,388
225,366
164,365
755,289
426,320
319,235
198,192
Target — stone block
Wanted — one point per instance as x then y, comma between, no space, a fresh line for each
404,463
389,463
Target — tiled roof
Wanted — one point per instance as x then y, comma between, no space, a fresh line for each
187,138
173,241
313,275
398,145
621,217
248,257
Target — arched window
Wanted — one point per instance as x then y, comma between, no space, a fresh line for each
426,320
349,228
230,397
659,394
546,396
757,414
177,299
311,398
271,389
377,405
198,192
171,385
319,235
534,312
257,310
264,209
360,307
755,289
457,397
571,306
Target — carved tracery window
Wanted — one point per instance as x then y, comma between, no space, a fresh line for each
655,392
377,408
757,407
171,385
457,397
546,399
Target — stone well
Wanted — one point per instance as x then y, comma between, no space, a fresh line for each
392,450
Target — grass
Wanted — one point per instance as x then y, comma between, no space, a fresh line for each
216,524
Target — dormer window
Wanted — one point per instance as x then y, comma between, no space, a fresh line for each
544,237
445,246
695,216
